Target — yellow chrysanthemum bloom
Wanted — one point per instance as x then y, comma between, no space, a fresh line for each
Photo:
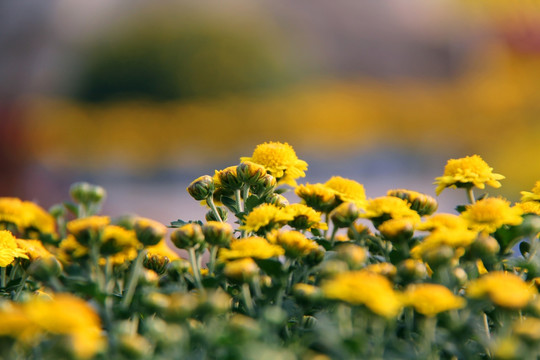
33,248
421,203
162,249
254,247
70,249
266,216
115,239
280,161
389,207
317,196
503,289
529,207
491,213
85,228
364,288
305,218
242,270
9,249
531,196
347,190
295,243
26,216
385,269
397,229
454,238
443,221
465,172
431,299
64,315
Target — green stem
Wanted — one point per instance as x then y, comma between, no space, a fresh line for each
210,202
109,287
14,270
195,268
470,195
21,286
488,333
212,260
2,277
333,236
248,301
133,279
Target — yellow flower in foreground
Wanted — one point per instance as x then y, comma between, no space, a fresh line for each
389,207
280,160
115,239
503,289
431,299
531,196
254,247
489,214
467,171
347,190
295,243
305,218
364,288
266,216
317,196
9,249
63,315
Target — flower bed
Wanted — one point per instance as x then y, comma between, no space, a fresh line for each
337,275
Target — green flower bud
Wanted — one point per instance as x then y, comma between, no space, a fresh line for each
355,256
460,276
242,270
485,247
306,294
244,326
134,346
85,193
149,232
201,188
278,200
264,185
439,256
411,270
57,211
214,303
223,214
177,268
156,263
217,233
188,236
315,257
421,203
45,268
344,215
250,172
228,178
331,268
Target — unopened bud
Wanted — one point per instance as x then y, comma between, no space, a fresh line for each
439,256
85,193
306,294
412,270
242,270
397,230
355,256
214,303
277,200
344,215
188,236
315,256
177,268
485,247
330,268
211,216
460,276
155,262
421,203
201,188
134,346
45,268
228,178
264,185
250,172
149,232
217,233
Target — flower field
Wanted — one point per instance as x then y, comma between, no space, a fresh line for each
334,275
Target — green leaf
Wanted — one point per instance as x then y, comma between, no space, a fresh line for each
71,207
461,208
507,236
271,267
179,223
230,203
327,245
252,202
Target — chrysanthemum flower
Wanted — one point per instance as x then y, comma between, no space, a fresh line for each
85,228
465,172
389,207
397,229
347,190
267,217
421,203
503,289
529,207
26,216
280,160
254,247
491,213
9,249
305,218
443,221
115,239
34,249
454,238
295,243
532,196
317,196
364,288
242,270
431,299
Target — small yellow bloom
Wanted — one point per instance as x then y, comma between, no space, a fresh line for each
280,161
149,232
34,249
115,239
162,249
267,217
26,216
347,190
529,207
295,243
503,289
317,196
491,213
9,249
254,247
86,228
242,270
531,196
465,172
389,207
454,238
431,299
305,217
443,221
364,288
397,229
421,203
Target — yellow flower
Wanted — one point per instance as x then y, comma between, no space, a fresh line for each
397,229
149,232
389,207
254,247
305,218
64,315
364,288
385,269
267,217
295,243
531,196
9,249
162,249
491,213
529,207
347,190
280,161
85,229
115,239
465,172
503,289
70,249
421,203
26,216
242,270
318,196
431,299
528,329
443,221
33,248
454,238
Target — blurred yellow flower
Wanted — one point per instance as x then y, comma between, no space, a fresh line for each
9,249
528,329
431,299
421,203
397,229
26,216
529,207
347,190
443,221
86,228
115,239
503,289
280,161
364,288
33,248
162,249
384,268
266,216
454,238
305,217
531,196
255,247
295,243
318,196
465,172
389,207
241,270
491,213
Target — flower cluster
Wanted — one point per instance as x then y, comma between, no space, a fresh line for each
336,274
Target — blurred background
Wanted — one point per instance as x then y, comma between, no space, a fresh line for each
143,97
